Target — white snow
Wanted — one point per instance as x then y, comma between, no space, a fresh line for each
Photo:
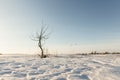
66,67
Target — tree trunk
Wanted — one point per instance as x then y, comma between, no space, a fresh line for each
42,51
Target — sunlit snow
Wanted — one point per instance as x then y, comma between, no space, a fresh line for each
66,67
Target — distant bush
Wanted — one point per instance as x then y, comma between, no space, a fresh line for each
116,53
94,52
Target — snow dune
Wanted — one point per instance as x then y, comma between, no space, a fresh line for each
67,67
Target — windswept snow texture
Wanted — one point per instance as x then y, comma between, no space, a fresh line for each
74,67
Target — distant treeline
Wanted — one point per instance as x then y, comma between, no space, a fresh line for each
96,53
104,52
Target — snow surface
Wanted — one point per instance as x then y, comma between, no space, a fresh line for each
66,67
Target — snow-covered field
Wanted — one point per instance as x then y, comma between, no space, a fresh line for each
72,67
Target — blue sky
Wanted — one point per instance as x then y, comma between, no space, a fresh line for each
77,25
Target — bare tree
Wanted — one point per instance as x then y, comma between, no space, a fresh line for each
41,37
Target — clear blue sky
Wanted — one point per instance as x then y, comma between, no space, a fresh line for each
76,25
